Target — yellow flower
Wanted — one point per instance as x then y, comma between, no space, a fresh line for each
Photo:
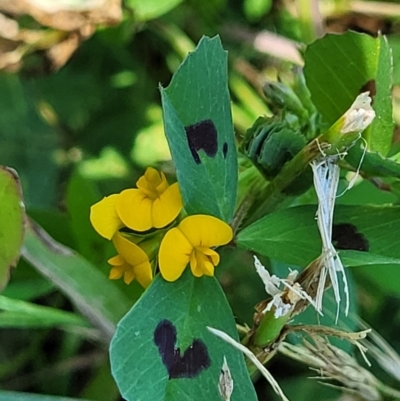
153,203
104,217
191,242
131,262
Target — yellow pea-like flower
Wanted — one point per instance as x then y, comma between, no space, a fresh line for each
131,262
153,204
191,242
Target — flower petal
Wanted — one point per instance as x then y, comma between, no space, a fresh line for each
196,269
204,265
203,230
167,207
129,276
104,217
212,255
208,268
134,209
193,262
163,185
116,260
148,182
174,254
130,252
143,273
117,272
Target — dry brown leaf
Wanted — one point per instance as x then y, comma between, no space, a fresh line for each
71,22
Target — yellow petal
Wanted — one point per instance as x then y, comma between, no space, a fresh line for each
104,217
195,266
152,183
116,272
116,261
167,207
202,266
203,230
143,274
212,255
129,276
130,252
208,268
148,182
134,209
163,185
193,262
174,254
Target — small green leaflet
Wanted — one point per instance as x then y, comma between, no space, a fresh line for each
373,164
340,67
96,297
291,235
198,125
12,217
171,316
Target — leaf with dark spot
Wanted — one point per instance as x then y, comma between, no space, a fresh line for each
202,136
162,349
346,236
195,359
225,150
198,122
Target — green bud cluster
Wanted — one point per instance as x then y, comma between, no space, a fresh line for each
273,141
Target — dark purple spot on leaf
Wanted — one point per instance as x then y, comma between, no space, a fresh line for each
370,86
195,359
202,136
225,149
346,236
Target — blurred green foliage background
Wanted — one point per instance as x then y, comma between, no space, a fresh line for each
80,118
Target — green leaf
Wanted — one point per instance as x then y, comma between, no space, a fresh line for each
190,304
379,225
295,229
12,216
27,289
14,396
97,298
21,314
198,95
358,258
339,67
382,277
373,164
150,9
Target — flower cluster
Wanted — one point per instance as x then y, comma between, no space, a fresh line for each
155,205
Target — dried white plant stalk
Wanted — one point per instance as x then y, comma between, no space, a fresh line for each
283,300
359,116
326,180
333,364
275,386
225,383
326,174
384,354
